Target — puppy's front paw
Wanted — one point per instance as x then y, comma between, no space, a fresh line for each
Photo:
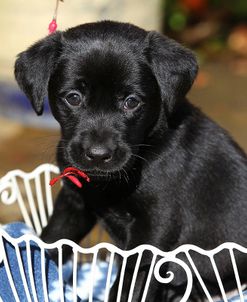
47,237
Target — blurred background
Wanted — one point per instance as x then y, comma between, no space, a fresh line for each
215,29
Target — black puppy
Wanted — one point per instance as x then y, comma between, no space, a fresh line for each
161,172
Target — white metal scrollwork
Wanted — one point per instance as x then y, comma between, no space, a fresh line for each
36,217
171,274
8,193
33,213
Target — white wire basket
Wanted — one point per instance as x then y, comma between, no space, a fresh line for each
31,193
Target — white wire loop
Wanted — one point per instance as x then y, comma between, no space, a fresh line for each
8,193
166,280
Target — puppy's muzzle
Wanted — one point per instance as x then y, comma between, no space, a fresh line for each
102,149
99,148
100,153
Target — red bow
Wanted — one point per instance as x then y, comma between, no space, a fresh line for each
70,173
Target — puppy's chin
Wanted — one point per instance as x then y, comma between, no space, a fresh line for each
118,173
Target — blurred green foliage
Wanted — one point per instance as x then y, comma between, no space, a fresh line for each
211,27
178,14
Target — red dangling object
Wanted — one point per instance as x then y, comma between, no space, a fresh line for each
71,174
52,26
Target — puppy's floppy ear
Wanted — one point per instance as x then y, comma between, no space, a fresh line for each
34,66
174,66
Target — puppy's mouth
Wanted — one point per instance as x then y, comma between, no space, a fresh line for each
102,175
97,175
117,168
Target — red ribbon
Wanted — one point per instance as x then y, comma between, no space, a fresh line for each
71,174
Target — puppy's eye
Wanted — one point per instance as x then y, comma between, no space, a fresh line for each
74,98
131,103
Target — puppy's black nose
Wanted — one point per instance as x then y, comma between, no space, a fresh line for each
99,153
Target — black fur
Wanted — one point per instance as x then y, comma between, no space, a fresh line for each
162,174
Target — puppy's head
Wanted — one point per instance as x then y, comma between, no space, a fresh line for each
111,86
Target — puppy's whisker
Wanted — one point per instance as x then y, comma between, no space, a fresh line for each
142,158
149,151
108,175
125,175
119,175
49,136
61,148
48,148
156,155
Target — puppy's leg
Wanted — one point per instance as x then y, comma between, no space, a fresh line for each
70,219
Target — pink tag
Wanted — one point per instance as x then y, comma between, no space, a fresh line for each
52,26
